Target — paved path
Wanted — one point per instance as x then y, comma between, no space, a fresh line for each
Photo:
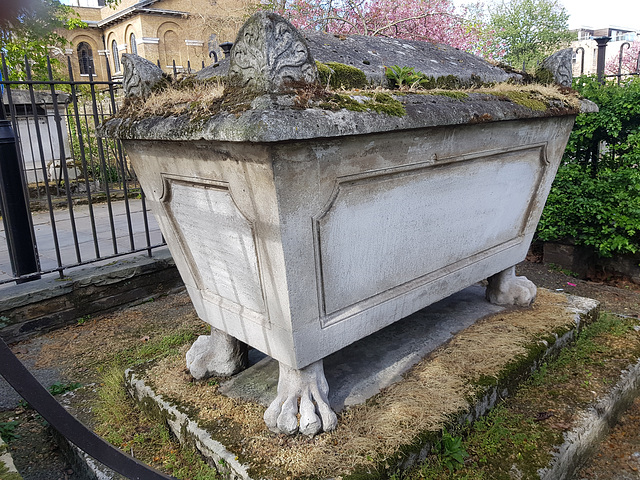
104,237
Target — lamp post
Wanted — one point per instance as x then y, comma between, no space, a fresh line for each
15,213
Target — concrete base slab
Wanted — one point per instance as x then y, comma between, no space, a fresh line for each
371,365
361,370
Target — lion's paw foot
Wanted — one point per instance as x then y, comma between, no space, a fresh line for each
218,354
309,386
505,288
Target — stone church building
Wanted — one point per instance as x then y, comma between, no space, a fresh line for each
164,31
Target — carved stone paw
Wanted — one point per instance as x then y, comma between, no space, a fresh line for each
505,288
308,385
218,354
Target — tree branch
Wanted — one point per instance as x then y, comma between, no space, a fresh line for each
408,19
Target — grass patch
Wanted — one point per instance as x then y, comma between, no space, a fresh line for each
125,425
8,430
196,99
516,438
122,423
154,348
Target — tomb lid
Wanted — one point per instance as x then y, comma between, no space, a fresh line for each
274,93
373,55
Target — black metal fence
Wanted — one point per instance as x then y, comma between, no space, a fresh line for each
84,201
622,72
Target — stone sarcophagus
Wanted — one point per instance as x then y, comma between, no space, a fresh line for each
303,220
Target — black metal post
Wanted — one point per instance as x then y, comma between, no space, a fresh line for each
15,214
226,48
602,49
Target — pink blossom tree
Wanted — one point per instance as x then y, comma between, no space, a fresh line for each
630,57
429,20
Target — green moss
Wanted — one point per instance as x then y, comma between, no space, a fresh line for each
407,76
526,99
339,75
385,103
5,474
375,102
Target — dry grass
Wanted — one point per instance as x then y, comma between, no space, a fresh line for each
196,98
433,391
200,99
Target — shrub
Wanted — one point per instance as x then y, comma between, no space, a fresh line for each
595,198
601,212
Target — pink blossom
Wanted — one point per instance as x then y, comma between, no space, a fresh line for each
435,21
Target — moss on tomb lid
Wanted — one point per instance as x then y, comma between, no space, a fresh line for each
193,109
296,97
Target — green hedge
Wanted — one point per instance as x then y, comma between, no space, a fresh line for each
595,198
601,212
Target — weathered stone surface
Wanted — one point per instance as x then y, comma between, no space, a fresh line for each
6,462
301,248
560,66
217,354
269,54
373,54
281,123
505,288
140,75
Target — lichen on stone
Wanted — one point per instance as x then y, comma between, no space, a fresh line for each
457,94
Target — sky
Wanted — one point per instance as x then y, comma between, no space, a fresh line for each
588,13
602,14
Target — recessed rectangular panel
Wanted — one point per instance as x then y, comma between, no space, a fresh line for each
385,230
219,242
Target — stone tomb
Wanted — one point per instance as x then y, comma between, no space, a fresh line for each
300,229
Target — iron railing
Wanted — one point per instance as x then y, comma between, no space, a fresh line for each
85,202
601,61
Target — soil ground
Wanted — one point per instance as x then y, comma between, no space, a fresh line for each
37,457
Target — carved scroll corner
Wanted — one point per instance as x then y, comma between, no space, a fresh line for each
270,56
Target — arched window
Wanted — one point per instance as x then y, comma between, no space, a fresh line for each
85,59
116,57
133,44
